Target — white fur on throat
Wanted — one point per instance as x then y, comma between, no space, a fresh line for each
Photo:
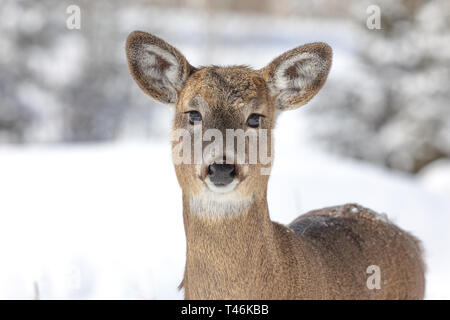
213,204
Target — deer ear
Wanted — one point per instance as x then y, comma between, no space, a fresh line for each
297,75
159,69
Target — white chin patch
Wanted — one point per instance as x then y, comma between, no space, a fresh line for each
221,203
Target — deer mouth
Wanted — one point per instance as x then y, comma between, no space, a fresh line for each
221,188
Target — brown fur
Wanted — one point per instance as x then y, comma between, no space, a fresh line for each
323,254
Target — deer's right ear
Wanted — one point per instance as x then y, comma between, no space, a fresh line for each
159,69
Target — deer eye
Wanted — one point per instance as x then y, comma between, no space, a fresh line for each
194,116
254,119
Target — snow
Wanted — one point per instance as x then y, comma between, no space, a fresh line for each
436,177
104,220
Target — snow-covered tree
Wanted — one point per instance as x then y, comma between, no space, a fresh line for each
394,108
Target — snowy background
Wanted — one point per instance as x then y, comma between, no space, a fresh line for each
90,206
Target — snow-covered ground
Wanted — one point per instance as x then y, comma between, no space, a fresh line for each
104,221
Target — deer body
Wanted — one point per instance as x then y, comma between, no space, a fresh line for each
321,255
234,250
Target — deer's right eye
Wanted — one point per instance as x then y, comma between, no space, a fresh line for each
194,116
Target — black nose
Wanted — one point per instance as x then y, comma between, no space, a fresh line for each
221,174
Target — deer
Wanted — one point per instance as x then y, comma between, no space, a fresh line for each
233,249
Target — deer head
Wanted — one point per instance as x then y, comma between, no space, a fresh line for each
212,103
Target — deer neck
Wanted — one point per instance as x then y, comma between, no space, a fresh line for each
231,254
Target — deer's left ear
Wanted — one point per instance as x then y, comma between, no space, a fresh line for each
297,75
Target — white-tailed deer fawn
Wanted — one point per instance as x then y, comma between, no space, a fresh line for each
234,250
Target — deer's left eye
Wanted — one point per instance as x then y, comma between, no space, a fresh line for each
254,120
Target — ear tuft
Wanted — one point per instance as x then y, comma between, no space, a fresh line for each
159,69
297,75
